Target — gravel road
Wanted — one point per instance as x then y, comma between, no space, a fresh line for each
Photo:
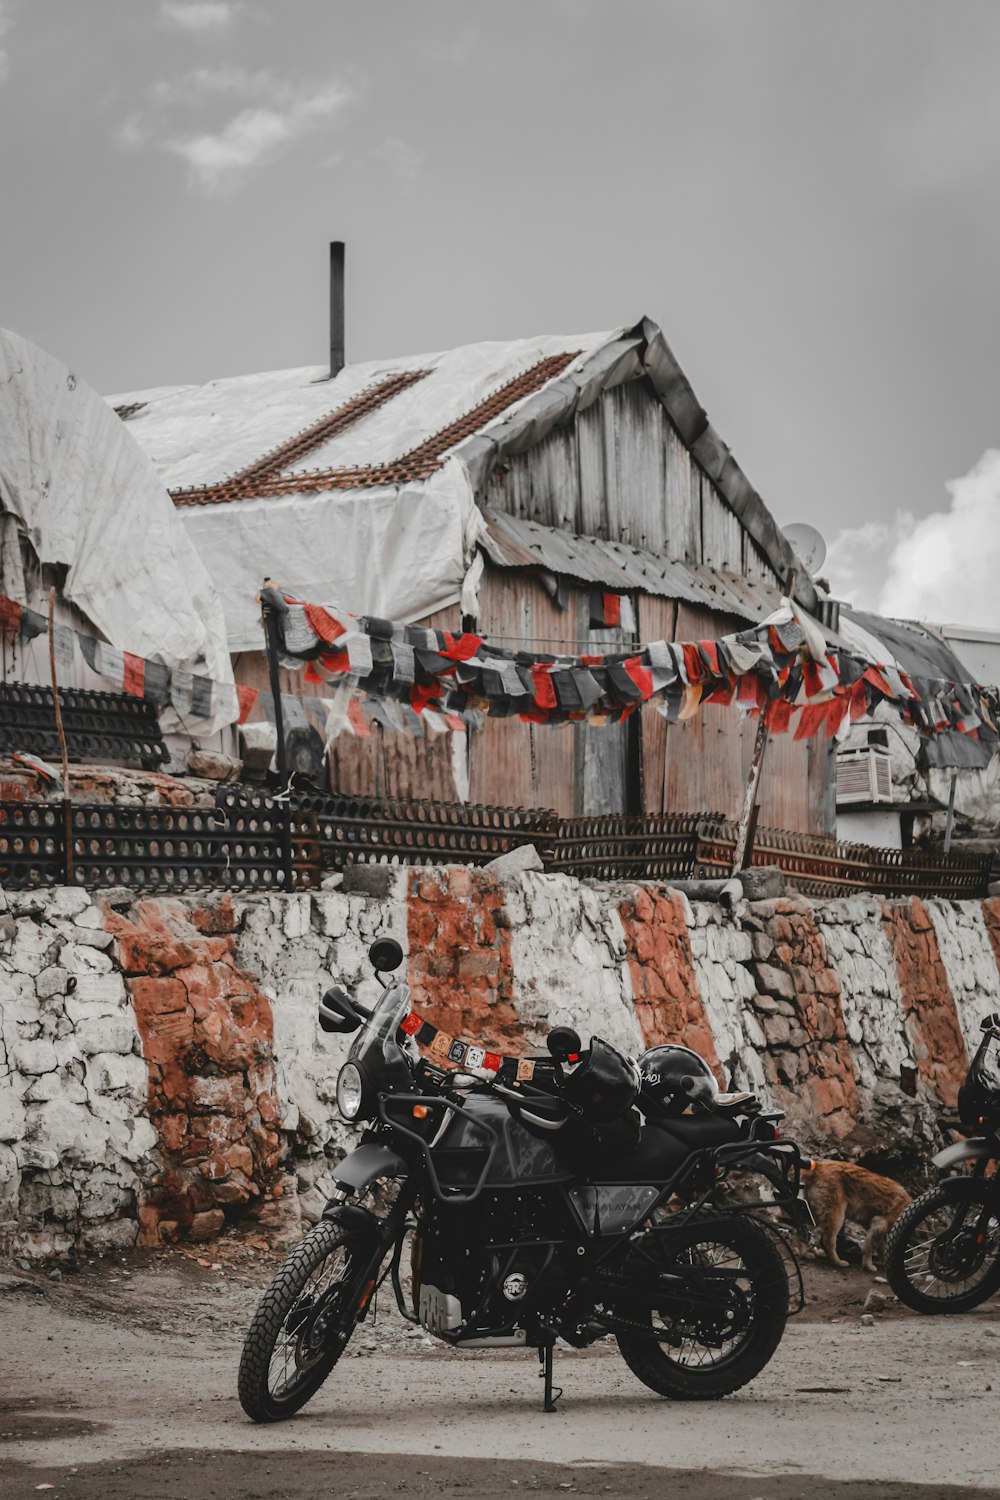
119,1381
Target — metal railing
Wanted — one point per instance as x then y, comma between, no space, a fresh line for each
257,842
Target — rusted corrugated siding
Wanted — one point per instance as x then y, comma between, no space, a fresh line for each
657,622
513,763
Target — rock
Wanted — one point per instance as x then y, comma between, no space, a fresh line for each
370,880
205,1226
867,1321
763,883
212,765
876,1302
515,861
775,981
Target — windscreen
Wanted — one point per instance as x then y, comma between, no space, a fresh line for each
375,1046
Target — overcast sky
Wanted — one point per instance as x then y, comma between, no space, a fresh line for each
804,196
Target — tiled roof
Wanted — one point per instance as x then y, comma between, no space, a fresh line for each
265,476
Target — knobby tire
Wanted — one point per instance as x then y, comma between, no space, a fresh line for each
971,1195
288,1298
657,1367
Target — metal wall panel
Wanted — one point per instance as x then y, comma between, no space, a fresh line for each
721,533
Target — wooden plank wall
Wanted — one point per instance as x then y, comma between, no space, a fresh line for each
620,472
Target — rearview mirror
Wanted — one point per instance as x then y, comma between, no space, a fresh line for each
385,954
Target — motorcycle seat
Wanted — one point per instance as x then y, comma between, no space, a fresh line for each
699,1132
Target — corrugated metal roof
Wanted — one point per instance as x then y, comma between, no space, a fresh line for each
512,542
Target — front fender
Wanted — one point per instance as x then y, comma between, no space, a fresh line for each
360,1222
366,1165
977,1148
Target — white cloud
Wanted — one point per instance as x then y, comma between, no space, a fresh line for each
402,159
856,559
198,15
276,115
946,568
218,160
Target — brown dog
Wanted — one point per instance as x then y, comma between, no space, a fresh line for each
839,1190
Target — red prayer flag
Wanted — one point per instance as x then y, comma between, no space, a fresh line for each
462,648
492,1061
411,1024
248,697
836,712
874,676
778,715
357,719
423,694
693,664
811,718
640,675
10,618
134,673
859,701
545,693
326,627
612,609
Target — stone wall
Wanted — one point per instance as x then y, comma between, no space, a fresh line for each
162,1072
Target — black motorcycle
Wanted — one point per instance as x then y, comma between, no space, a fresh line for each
943,1252
568,1196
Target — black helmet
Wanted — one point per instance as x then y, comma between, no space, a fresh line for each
674,1077
604,1085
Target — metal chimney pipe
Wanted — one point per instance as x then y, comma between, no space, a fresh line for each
336,307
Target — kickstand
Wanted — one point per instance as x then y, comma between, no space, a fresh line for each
545,1373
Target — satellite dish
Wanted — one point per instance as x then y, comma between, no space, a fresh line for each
807,543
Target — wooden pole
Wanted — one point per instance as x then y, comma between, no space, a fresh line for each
67,812
950,819
743,853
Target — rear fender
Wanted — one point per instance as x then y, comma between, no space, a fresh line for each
977,1148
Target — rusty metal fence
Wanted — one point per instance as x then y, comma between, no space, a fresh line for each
247,842
252,841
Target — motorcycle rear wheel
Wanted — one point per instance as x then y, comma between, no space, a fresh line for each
302,1325
691,1368
942,1255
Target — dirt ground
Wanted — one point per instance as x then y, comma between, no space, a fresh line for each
119,1380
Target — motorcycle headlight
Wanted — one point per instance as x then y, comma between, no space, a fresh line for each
349,1091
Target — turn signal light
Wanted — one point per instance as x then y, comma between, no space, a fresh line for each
420,1111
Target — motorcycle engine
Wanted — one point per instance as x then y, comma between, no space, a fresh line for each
470,1274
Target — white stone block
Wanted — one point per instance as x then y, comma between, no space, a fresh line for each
81,959
111,1033
109,1072
66,901
95,994
34,1057
51,982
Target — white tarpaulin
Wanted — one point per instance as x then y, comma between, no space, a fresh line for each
87,496
400,551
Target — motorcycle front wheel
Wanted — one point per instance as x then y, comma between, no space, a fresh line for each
735,1319
302,1324
942,1255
